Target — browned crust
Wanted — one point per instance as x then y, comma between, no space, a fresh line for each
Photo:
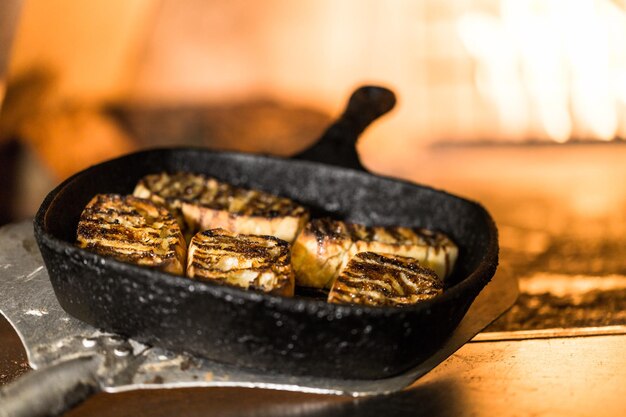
132,230
318,253
247,261
325,246
384,280
200,202
284,227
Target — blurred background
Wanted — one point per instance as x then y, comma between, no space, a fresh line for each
519,104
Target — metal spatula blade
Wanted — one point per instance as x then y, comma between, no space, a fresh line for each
83,360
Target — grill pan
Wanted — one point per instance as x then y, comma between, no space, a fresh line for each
294,336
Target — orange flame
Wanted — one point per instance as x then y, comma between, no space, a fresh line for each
555,64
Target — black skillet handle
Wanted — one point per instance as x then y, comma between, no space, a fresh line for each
337,146
52,390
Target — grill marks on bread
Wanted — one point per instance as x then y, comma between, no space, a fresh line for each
319,251
245,242
247,261
325,246
384,280
201,203
132,230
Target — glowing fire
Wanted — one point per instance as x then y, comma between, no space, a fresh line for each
556,63
489,70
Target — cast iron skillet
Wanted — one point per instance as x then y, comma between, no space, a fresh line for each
298,336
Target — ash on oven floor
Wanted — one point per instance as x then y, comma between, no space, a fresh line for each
593,308
573,276
561,217
568,280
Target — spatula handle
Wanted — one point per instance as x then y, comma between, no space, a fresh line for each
51,391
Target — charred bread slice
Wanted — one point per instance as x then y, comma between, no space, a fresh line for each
325,246
384,280
132,230
247,261
318,253
201,203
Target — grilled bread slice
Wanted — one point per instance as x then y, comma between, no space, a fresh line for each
201,203
247,261
384,280
325,246
319,251
132,230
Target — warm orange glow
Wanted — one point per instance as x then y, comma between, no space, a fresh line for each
91,47
68,141
557,64
506,70
564,284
